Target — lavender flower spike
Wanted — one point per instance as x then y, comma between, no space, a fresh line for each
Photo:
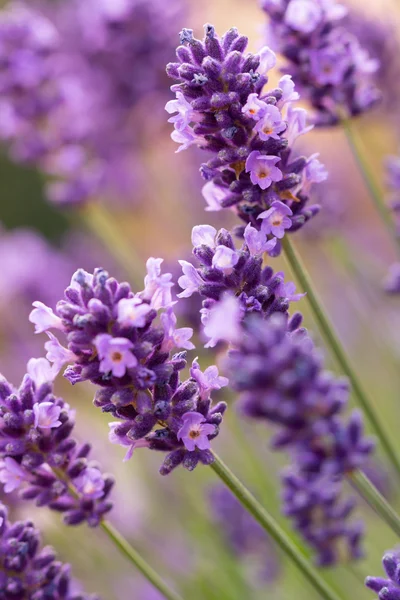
325,60
223,108
387,588
38,456
123,342
28,572
280,377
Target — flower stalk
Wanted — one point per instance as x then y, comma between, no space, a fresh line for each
358,154
126,549
272,528
376,501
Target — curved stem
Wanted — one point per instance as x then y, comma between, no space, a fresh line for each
375,500
124,546
101,223
134,557
272,528
338,351
369,180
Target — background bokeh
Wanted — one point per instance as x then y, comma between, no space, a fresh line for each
347,252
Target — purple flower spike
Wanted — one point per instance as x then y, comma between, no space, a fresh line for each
262,169
39,457
328,65
387,588
123,343
194,432
276,220
223,107
28,571
279,375
115,354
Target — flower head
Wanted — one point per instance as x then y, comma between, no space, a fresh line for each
248,130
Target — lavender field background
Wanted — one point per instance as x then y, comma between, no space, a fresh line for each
128,196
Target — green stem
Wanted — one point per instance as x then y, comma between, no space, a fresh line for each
375,500
338,351
273,529
369,180
100,222
135,558
124,546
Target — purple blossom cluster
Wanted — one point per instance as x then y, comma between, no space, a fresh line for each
28,572
392,282
38,454
222,107
245,537
279,375
75,79
114,341
387,588
226,273
327,63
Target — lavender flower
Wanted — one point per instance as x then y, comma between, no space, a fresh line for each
115,341
321,516
28,571
392,281
226,273
387,588
38,455
326,61
75,79
281,381
222,108
244,536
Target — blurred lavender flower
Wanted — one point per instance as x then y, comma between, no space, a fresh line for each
328,65
244,536
377,34
114,341
321,516
280,377
226,272
392,281
94,68
38,454
222,108
28,572
387,588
